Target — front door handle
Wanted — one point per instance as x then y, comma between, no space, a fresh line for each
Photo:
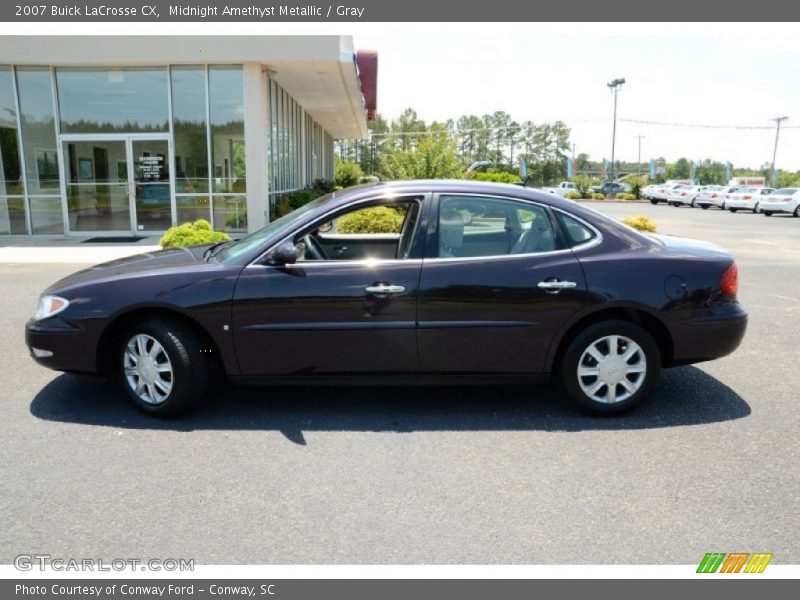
553,286
384,289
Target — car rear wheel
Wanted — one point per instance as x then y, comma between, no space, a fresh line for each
654,202
733,210
694,203
766,213
610,367
796,212
162,367
704,206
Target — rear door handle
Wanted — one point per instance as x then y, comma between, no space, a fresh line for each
385,288
553,286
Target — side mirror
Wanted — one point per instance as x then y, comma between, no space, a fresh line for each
285,254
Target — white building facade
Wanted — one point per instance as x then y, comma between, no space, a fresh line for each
128,136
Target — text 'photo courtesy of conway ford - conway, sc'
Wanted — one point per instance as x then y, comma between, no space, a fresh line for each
479,282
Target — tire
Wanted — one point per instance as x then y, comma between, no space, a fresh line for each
796,212
162,393
647,356
766,213
733,210
694,203
722,207
676,204
704,206
756,210
653,202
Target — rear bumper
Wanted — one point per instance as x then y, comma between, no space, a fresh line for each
777,207
58,346
711,336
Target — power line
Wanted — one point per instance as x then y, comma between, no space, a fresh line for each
701,125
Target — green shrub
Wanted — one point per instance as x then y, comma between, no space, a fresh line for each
377,219
596,196
502,177
626,196
236,221
192,234
573,195
584,184
347,173
641,222
636,183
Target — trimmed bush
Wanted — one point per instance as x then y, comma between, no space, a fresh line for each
573,195
377,219
192,234
641,222
347,173
236,221
626,196
596,196
502,177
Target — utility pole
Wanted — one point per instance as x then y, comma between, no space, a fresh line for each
639,159
614,86
778,121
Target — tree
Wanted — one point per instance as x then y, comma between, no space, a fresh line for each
710,172
434,156
682,169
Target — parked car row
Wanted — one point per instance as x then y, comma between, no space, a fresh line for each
756,199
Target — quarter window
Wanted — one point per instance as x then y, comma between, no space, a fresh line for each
473,226
577,233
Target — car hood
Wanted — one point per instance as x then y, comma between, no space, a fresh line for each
138,263
690,246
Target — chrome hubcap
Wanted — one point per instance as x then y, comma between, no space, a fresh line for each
148,369
612,369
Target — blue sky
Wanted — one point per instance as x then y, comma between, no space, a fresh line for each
685,73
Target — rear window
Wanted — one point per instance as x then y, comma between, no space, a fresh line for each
786,191
577,232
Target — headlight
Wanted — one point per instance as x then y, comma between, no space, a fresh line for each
50,306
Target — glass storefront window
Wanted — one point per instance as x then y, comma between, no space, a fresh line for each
10,169
191,208
12,217
189,127
226,97
46,215
112,100
38,131
230,213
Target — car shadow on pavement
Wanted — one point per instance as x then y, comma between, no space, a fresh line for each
682,396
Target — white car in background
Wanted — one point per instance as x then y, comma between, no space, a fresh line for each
660,193
747,198
784,200
710,196
684,194
647,191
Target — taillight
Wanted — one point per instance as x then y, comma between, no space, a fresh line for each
729,283
747,197
683,193
713,195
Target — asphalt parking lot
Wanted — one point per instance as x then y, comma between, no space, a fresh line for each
422,475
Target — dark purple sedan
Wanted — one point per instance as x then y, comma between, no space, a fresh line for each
420,281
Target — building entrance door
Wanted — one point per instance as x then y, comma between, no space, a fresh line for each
118,184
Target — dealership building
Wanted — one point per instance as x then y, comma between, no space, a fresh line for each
127,136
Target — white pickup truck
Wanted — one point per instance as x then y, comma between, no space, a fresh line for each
561,189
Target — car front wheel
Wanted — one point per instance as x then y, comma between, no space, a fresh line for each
162,367
766,213
610,367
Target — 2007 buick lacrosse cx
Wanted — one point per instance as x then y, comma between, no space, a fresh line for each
482,282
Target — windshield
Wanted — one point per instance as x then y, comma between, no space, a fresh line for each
248,244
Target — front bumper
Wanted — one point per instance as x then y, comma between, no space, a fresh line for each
57,345
710,336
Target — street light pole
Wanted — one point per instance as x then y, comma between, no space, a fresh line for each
778,121
639,158
614,86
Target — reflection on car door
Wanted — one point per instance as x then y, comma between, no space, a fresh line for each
498,313
328,317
